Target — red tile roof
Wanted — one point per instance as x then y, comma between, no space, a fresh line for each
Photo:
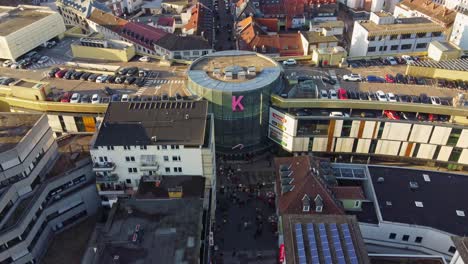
270,23
166,21
142,34
290,8
348,192
107,20
305,183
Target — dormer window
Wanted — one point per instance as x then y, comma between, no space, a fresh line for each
318,203
305,203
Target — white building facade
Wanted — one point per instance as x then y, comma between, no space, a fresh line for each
459,34
383,36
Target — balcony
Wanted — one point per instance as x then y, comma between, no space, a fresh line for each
118,189
103,166
107,178
149,166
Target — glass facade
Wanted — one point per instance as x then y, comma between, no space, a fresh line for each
238,126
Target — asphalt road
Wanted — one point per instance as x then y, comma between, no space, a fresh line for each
224,23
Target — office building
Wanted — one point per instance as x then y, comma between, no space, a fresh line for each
385,35
237,85
139,142
44,190
24,28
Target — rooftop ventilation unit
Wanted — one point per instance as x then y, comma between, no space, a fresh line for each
228,75
419,204
388,203
380,179
154,138
252,71
460,213
217,72
414,185
241,75
426,178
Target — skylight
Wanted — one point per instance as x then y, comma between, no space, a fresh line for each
419,204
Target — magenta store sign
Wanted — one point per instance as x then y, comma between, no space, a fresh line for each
237,103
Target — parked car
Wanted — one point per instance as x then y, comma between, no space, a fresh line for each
85,99
389,78
435,100
304,78
164,97
50,44
7,81
400,78
461,85
332,94
108,91
30,54
15,65
374,79
289,62
77,75
363,96
69,74
433,117
323,94
408,59
392,61
381,96
328,80
404,98
144,59
419,80
142,73
422,117
400,60
407,116
424,99
415,99
75,98
61,73
66,97
120,79
95,99
451,84
52,72
441,83
411,79
123,71
353,77
391,115
102,78
130,80
85,76
36,58
93,77
124,98
111,79
115,98
132,71
7,63
342,94
373,96
339,114
140,82
178,97
391,97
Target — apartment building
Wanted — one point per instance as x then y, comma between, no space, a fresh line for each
385,35
141,142
459,34
43,191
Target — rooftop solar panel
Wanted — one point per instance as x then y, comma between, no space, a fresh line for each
349,244
312,244
325,247
337,244
300,245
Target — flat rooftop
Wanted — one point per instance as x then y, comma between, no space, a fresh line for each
425,198
405,26
13,127
189,186
429,8
210,70
152,231
454,65
12,20
318,238
153,123
402,259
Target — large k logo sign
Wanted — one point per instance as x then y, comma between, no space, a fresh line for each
236,103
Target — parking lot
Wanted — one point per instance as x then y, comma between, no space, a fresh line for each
430,88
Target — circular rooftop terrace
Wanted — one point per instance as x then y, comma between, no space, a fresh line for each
234,71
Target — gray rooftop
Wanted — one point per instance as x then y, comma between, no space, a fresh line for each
13,127
455,65
153,123
202,70
168,232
